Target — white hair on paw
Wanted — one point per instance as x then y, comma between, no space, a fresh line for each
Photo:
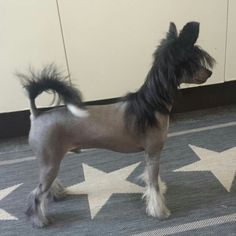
155,203
76,111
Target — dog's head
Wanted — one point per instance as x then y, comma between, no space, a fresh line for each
182,60
177,60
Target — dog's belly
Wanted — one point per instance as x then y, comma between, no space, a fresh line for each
116,148
113,144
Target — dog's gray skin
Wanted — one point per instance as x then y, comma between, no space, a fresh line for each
53,133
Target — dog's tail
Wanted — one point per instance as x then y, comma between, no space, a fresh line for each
50,79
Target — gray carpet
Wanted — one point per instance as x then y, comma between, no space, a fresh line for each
201,196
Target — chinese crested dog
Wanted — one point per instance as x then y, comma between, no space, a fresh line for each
137,122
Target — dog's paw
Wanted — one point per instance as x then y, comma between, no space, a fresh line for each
165,214
155,203
160,213
40,222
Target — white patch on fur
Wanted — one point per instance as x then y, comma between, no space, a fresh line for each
76,111
31,116
31,113
43,204
155,203
162,185
121,105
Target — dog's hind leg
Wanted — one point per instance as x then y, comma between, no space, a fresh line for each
154,194
49,167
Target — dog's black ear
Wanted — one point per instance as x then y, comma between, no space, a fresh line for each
172,33
189,34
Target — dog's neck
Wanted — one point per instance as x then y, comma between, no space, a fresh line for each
156,95
158,91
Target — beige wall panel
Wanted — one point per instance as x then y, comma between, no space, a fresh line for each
231,43
30,35
109,43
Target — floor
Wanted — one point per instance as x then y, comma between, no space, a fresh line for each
198,164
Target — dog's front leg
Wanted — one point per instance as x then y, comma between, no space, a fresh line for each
155,189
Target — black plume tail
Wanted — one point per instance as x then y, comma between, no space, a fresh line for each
49,79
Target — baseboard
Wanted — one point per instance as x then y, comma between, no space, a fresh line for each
16,124
205,97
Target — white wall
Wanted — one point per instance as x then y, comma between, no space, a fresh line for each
230,72
30,35
108,43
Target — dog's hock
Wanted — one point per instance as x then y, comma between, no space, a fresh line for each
76,111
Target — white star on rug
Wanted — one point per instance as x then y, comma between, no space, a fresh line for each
99,186
221,164
3,193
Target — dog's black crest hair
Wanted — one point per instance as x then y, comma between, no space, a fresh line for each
49,79
175,57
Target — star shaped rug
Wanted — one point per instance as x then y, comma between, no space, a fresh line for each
198,164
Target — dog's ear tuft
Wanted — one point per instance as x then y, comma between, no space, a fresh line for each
172,33
189,34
